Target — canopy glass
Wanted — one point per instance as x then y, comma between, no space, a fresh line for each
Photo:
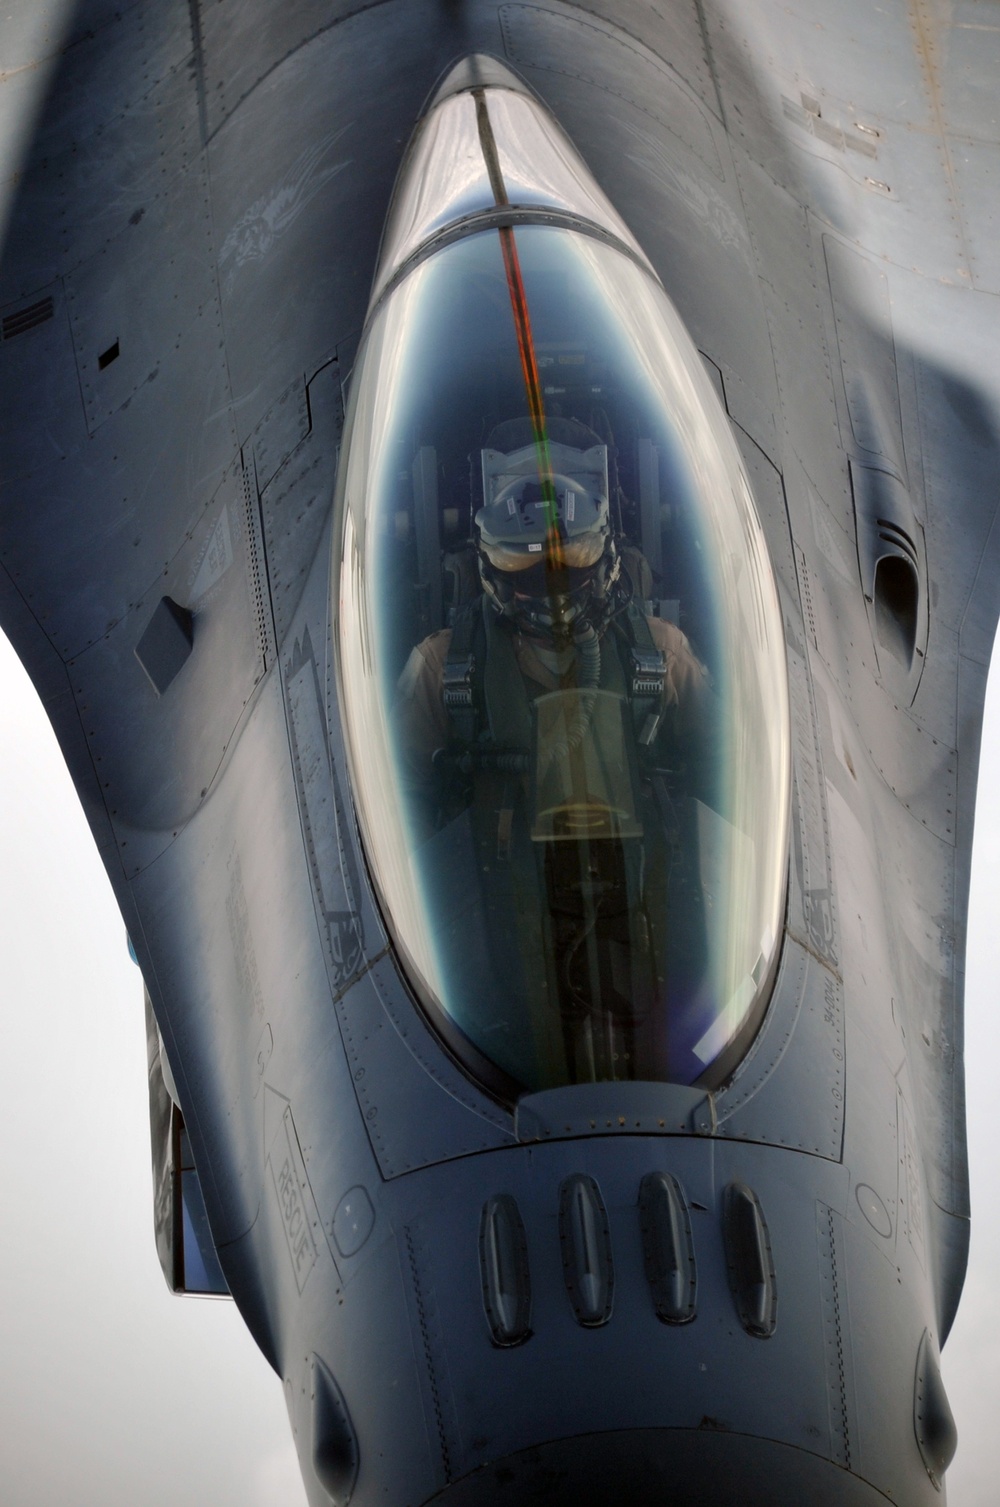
562,670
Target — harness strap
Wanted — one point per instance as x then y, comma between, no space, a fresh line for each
484,691
459,677
649,673
505,707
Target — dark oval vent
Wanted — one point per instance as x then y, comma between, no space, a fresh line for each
933,1422
503,1259
749,1260
334,1446
586,1250
897,598
667,1247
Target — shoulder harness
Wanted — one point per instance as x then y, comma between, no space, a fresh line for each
464,679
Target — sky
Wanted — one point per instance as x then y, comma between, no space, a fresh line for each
113,1392
971,1359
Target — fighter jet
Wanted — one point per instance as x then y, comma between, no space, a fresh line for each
498,505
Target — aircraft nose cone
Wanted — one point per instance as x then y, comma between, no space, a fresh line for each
704,1467
478,71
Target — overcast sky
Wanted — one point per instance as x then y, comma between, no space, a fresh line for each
113,1393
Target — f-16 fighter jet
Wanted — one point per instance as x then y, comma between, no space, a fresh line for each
498,503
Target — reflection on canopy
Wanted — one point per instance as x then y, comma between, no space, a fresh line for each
573,797
560,651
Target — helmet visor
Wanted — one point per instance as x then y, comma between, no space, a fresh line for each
581,553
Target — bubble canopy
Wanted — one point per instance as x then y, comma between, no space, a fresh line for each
561,668
580,850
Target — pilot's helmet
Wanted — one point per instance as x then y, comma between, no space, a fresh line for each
547,555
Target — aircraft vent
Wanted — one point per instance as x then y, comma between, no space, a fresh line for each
166,643
933,1422
891,533
255,571
893,563
335,1444
503,1256
750,1263
27,318
588,1268
667,1248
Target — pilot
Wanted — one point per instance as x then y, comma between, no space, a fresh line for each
555,822
558,611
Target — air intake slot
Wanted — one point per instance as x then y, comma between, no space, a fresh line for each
933,1422
27,318
897,598
749,1260
893,565
503,1258
586,1250
891,533
667,1248
334,1445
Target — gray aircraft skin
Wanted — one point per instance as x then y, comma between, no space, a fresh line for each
481,1286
